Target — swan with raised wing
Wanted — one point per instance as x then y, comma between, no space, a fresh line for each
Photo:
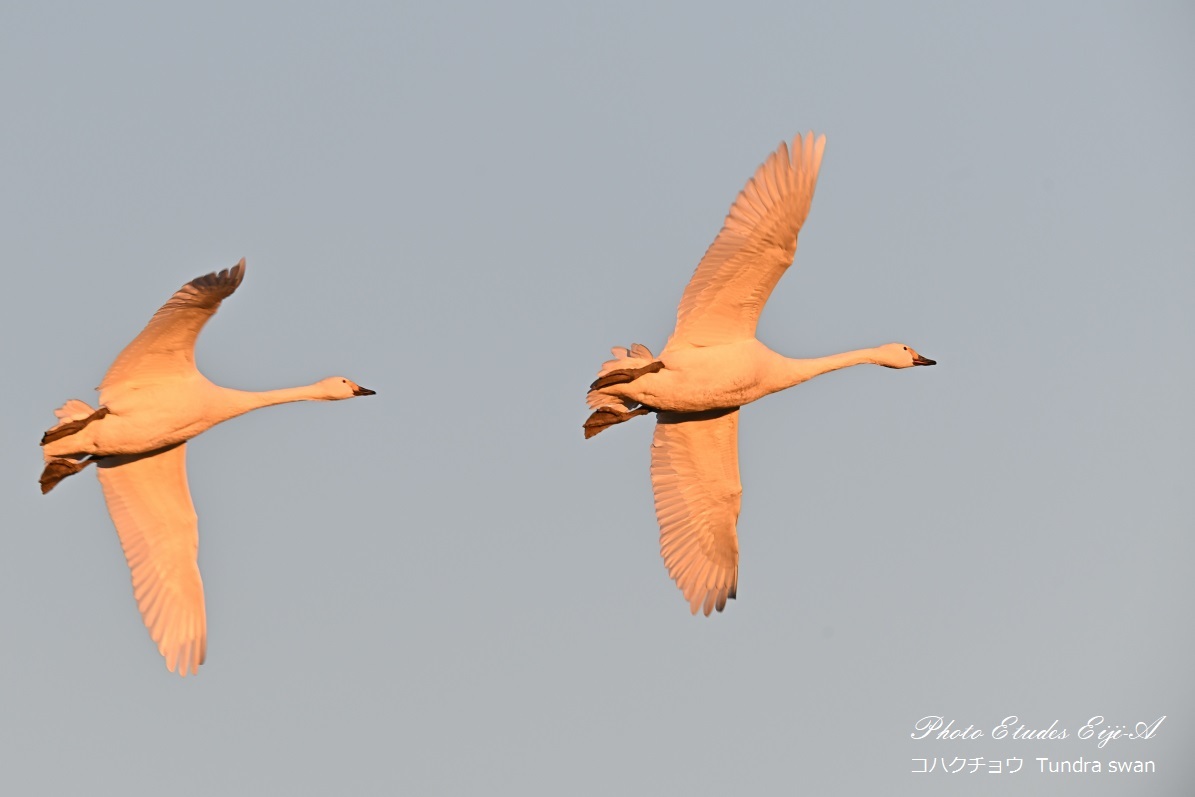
711,366
152,401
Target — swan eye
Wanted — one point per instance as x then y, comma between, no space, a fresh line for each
906,348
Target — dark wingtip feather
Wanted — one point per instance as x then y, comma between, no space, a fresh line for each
219,285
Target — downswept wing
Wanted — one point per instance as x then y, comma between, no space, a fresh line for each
150,505
695,478
166,347
757,243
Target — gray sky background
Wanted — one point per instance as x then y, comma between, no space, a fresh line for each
445,589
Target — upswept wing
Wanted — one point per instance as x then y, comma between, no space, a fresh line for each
695,478
166,347
151,507
755,247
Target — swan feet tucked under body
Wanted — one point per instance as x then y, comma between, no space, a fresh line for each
152,400
605,417
713,365
67,428
58,469
624,375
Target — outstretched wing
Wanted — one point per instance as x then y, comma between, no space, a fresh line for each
695,477
151,507
166,347
755,247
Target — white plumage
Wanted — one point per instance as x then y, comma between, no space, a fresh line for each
711,366
152,400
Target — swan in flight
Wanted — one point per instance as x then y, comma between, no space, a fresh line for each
711,366
152,401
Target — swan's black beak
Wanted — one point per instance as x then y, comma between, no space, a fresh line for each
919,360
364,391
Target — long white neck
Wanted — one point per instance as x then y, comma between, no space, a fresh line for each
238,402
794,372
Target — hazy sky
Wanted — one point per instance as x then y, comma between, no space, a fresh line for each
444,589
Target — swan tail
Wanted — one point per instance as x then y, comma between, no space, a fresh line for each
58,468
73,410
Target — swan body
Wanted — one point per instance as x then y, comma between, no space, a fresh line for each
152,400
711,366
730,375
173,411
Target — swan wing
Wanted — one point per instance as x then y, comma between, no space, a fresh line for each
166,347
150,505
695,478
756,245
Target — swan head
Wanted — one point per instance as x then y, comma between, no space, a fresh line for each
335,388
898,355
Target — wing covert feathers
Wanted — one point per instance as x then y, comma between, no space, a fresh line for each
151,507
695,478
756,245
166,347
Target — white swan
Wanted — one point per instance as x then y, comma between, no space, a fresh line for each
152,400
711,366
